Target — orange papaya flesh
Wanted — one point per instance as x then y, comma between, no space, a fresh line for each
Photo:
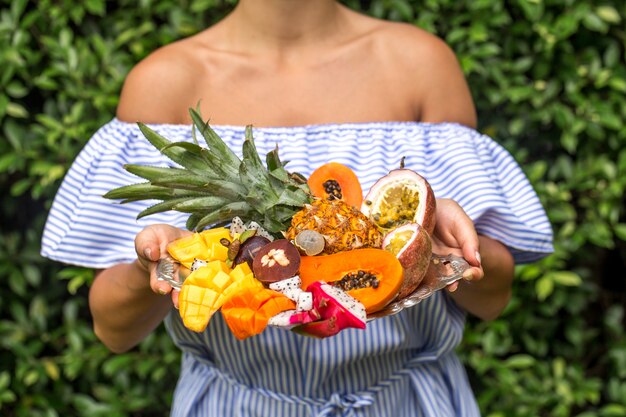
248,311
378,263
349,187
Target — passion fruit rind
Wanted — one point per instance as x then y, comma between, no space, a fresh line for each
402,196
412,246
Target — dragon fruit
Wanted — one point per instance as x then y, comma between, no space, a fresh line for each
290,287
337,311
290,318
260,231
304,301
237,226
197,263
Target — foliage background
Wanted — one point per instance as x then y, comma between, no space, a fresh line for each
549,80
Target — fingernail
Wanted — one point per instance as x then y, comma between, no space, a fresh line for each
478,257
467,275
147,252
162,291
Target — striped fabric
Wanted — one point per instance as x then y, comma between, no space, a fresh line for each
402,365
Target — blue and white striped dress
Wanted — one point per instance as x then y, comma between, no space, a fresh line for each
403,365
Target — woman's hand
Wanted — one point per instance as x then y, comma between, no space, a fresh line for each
151,245
455,233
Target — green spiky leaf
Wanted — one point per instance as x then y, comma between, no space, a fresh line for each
214,185
225,214
181,156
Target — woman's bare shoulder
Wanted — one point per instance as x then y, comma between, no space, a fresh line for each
159,88
427,65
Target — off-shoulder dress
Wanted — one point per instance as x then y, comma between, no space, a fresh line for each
401,365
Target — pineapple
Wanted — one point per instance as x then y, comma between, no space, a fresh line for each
214,185
343,226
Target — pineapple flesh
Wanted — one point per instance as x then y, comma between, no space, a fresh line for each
343,226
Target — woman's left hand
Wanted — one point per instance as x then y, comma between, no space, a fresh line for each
455,233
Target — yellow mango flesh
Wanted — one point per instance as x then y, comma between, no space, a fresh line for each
204,245
206,289
186,249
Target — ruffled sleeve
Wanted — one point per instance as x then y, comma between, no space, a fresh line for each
82,227
489,184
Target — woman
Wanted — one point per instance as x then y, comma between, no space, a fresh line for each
308,75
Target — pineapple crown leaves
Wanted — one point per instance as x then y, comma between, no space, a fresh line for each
214,185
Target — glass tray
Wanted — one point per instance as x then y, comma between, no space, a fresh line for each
443,271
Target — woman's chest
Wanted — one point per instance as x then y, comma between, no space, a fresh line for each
350,91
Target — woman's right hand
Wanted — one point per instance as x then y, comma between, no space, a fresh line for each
151,245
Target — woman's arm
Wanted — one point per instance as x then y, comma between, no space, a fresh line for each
124,307
487,297
444,96
126,301
486,287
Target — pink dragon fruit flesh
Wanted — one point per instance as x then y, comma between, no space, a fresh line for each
337,311
288,319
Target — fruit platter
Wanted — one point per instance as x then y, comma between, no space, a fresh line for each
271,248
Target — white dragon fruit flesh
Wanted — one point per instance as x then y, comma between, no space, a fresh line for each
290,318
337,311
197,263
304,301
260,231
237,227
289,287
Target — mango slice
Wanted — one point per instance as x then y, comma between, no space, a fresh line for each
248,311
203,245
206,289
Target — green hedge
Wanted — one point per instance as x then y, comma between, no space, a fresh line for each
549,80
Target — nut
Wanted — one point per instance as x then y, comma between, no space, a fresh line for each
275,256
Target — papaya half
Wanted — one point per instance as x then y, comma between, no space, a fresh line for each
372,276
334,180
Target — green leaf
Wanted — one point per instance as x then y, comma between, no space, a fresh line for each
96,7
225,214
179,154
613,410
520,361
161,207
215,143
16,110
566,278
594,23
620,231
544,287
609,14
293,198
191,205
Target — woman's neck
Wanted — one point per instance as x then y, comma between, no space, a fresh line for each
280,25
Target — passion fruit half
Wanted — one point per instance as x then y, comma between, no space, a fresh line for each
402,196
412,246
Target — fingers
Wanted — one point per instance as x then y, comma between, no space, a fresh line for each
457,230
150,246
175,296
